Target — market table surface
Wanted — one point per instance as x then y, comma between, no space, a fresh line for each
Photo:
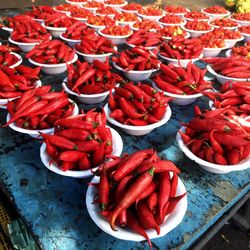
54,206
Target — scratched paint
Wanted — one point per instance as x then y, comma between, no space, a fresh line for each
54,206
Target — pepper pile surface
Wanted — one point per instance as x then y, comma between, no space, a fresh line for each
137,191
80,142
137,105
6,58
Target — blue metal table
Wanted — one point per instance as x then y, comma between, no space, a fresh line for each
54,206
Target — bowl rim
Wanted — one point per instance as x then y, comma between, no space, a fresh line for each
54,28
175,95
213,49
198,31
20,60
238,21
244,165
171,37
211,70
6,28
53,65
95,55
172,24
164,120
244,34
68,39
74,3
183,60
22,43
112,36
116,5
78,173
235,39
62,11
172,220
89,96
177,13
148,48
95,26
229,28
134,71
214,14
151,17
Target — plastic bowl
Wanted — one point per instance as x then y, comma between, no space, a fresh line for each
25,47
10,30
3,102
241,23
208,166
70,42
179,99
227,28
215,16
134,75
198,19
228,53
222,79
129,23
173,24
33,132
129,11
84,98
154,18
138,130
148,48
20,60
212,52
91,57
40,21
115,39
178,14
168,38
231,42
61,11
182,62
55,31
96,28
196,33
75,3
54,69
46,159
246,37
171,221
81,19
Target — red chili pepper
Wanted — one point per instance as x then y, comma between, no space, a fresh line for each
129,109
146,217
131,163
209,154
87,146
150,189
220,159
131,194
51,150
214,143
124,93
152,201
71,156
174,184
84,77
84,163
172,203
169,72
104,190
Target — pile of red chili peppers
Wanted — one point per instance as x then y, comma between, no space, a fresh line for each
182,81
80,142
39,108
14,82
137,105
217,136
137,191
6,58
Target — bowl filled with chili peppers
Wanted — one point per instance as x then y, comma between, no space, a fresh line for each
183,85
95,47
16,81
90,83
37,111
243,19
137,109
229,69
53,56
245,31
147,205
215,12
216,141
10,59
80,144
137,64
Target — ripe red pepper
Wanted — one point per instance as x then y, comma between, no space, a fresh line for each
71,156
104,188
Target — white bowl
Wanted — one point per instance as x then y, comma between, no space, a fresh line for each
129,23
215,16
33,132
168,38
171,221
91,9
54,69
179,99
222,79
154,18
75,3
198,19
153,30
241,23
46,159
55,31
178,14
40,21
148,48
231,42
246,37
182,62
134,75
3,102
173,24
96,28
129,11
212,52
227,28
85,98
115,39
196,33
10,30
138,130
61,11
25,47
91,57
81,19
70,42
116,6
20,60
208,166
